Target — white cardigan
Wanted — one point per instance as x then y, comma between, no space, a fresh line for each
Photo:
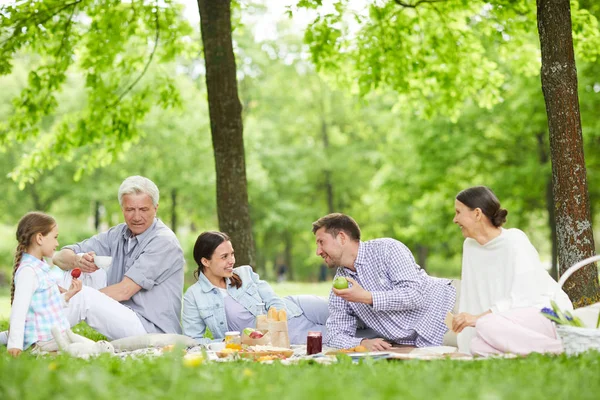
503,274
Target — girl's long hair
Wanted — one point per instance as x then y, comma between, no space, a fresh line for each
30,225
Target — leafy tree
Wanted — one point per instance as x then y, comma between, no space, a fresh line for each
114,44
438,53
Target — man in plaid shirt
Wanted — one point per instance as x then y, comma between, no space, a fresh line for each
388,291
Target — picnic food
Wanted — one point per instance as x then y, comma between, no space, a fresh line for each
193,360
281,315
314,342
257,352
340,283
357,349
278,328
233,340
75,272
253,333
272,314
256,335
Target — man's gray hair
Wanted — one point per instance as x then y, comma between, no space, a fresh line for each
138,184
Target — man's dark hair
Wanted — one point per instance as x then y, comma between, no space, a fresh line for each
336,222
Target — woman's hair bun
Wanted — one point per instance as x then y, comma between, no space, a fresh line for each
499,217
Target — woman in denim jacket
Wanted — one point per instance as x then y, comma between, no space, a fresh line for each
227,298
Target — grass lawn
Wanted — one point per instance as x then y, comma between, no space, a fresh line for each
534,377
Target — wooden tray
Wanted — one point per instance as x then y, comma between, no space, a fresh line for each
257,354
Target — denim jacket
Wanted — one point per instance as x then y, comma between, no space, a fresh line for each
203,305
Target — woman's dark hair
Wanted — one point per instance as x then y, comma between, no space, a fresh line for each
483,198
205,246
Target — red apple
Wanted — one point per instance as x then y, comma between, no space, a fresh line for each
75,273
256,335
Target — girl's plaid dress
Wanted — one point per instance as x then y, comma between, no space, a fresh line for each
45,309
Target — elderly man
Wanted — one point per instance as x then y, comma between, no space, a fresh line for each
388,290
144,285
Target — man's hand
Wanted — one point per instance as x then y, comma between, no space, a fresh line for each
377,344
462,321
85,262
354,293
14,352
74,289
67,260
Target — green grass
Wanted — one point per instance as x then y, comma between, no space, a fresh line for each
533,377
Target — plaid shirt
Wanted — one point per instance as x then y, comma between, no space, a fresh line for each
408,308
45,309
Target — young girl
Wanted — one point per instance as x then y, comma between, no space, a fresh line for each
35,296
504,285
227,298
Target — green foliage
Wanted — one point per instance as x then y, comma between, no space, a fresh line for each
111,45
392,169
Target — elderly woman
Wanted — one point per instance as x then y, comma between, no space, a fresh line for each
504,284
227,298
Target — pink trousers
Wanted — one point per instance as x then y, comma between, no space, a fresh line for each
519,331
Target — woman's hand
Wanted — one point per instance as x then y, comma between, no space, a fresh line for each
463,320
14,352
74,289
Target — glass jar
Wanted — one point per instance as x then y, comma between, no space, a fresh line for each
314,343
233,340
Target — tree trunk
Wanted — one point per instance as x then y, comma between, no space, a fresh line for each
544,159
552,222
571,200
226,127
327,172
174,210
97,215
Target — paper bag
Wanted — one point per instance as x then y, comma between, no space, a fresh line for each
264,341
262,324
279,334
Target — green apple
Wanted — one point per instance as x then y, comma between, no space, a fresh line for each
340,283
248,331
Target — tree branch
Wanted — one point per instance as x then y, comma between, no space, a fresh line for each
23,22
408,5
68,25
132,85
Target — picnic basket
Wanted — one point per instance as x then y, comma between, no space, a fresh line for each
577,340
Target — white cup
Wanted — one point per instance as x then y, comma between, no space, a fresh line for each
216,346
103,262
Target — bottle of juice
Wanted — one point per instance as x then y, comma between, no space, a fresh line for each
233,340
